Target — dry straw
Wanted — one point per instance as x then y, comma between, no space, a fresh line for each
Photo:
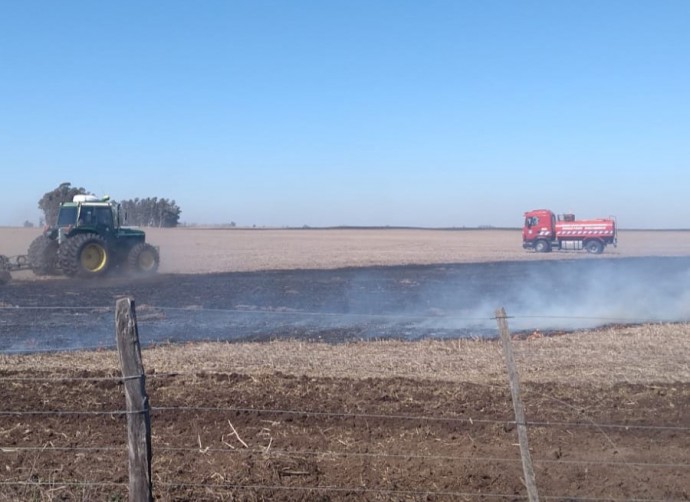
647,354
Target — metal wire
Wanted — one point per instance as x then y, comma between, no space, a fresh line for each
330,453
70,413
470,421
106,309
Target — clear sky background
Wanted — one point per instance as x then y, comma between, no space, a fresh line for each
433,113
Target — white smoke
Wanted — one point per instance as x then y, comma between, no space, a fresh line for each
568,295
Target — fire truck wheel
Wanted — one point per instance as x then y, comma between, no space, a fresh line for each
594,247
542,246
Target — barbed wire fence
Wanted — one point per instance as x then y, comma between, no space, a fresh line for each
35,470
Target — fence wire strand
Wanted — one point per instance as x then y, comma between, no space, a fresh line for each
331,453
365,416
268,312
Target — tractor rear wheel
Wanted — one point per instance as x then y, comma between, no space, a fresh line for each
143,259
84,255
43,255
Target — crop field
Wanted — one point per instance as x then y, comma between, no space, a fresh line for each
204,250
328,413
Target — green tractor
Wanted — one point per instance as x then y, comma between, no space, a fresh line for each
88,240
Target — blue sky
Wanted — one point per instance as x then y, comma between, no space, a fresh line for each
351,112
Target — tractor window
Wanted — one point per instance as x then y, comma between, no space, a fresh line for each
531,221
104,216
67,216
86,216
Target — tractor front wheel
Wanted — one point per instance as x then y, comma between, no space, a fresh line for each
143,259
43,255
84,255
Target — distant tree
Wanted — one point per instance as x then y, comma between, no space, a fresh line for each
152,212
28,224
50,202
148,212
169,213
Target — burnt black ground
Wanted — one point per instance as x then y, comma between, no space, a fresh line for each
409,302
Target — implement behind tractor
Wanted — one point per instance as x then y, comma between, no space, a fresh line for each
10,263
87,240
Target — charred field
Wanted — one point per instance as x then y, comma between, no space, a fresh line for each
348,304
363,383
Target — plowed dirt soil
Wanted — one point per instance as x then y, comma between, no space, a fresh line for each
295,418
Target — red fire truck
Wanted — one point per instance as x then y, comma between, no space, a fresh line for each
544,231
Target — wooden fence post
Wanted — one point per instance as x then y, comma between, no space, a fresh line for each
138,416
527,468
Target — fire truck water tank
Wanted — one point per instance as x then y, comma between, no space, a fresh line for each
571,244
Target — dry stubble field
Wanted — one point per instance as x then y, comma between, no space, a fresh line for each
428,420
203,250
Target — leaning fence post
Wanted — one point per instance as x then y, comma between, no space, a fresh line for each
527,468
138,417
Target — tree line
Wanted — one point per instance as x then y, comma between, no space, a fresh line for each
147,212
151,212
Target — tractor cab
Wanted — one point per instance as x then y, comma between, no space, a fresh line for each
86,213
89,211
